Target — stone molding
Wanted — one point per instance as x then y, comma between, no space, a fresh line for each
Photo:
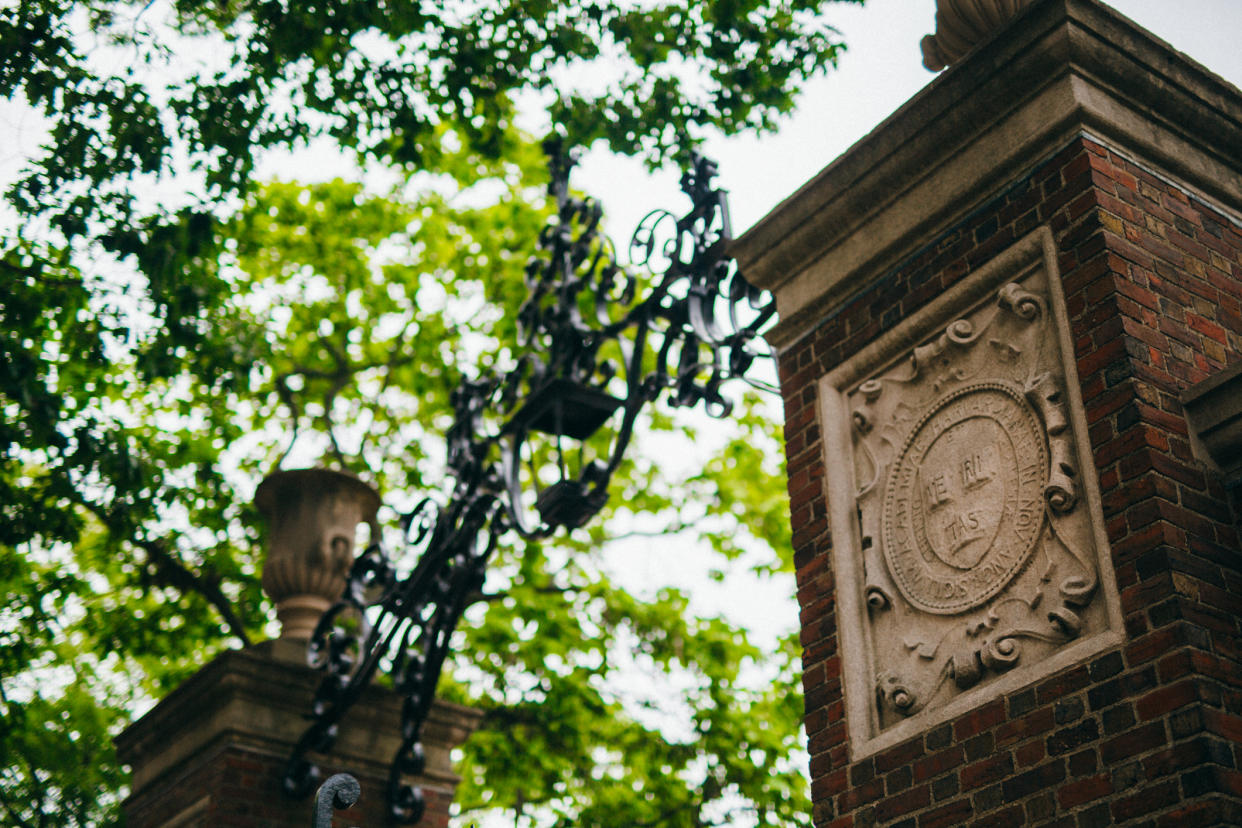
258,698
931,628
1214,413
1064,68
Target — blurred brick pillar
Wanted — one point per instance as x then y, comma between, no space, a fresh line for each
212,753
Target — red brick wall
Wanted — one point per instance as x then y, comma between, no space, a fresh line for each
213,753
242,786
1148,734
244,791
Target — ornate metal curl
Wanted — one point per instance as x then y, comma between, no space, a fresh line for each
585,339
337,794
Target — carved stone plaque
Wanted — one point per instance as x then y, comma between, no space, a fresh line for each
965,517
964,499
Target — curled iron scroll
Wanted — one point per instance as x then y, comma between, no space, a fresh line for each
337,794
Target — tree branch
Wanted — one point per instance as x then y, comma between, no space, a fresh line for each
675,529
285,394
488,597
395,360
175,573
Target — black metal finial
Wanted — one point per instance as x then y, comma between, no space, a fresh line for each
338,793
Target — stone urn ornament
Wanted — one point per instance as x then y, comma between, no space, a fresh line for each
312,517
962,24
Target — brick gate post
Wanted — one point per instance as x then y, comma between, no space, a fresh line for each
214,751
1018,562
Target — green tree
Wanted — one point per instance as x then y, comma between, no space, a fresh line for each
199,90
156,361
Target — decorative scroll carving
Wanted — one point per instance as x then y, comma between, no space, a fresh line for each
976,552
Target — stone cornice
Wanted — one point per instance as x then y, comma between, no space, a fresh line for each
1064,68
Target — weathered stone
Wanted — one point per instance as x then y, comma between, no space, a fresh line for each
970,528
1214,411
963,24
312,516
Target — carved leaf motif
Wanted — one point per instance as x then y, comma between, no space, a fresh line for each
923,649
862,420
1005,351
1000,653
894,693
965,668
1066,620
877,599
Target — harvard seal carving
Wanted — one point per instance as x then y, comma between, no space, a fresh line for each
964,507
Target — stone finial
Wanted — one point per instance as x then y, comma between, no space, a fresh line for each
961,24
312,517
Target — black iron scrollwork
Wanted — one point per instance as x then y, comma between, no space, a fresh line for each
341,791
592,355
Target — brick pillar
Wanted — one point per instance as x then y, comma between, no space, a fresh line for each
213,752
1019,567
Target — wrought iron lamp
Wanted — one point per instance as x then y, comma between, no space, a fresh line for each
593,353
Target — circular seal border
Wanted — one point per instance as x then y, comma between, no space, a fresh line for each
1035,483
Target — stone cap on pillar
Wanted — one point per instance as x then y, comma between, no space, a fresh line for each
1062,69
961,25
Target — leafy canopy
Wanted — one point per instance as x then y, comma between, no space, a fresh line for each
125,100
171,330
